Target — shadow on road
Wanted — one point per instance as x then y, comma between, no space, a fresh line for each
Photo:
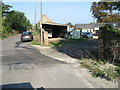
19,86
80,50
19,43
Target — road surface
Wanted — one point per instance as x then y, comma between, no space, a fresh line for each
25,67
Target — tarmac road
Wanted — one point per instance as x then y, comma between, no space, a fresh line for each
25,67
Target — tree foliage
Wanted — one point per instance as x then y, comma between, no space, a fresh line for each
13,20
17,21
106,12
5,8
70,24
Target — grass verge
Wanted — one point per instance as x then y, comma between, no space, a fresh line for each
65,42
35,43
59,43
100,68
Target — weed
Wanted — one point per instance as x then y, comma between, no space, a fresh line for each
35,43
100,68
98,73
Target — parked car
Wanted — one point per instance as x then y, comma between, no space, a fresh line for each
26,36
96,34
87,35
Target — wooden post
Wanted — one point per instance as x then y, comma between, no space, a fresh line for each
45,38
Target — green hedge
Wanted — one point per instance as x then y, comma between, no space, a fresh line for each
109,38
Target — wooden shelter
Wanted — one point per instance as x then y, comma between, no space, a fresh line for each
54,30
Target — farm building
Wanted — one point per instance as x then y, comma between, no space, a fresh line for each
54,30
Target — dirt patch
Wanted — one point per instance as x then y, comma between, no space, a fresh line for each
22,66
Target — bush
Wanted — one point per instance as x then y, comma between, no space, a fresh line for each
109,40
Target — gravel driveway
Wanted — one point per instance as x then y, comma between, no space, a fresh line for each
80,49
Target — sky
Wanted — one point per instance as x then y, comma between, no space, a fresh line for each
59,12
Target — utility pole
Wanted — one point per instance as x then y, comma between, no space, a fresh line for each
35,15
41,33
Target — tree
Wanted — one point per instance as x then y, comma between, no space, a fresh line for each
18,21
70,24
13,20
5,8
105,11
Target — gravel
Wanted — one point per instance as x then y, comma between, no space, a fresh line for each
22,66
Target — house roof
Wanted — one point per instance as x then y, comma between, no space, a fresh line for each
91,26
85,26
45,19
55,24
116,24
